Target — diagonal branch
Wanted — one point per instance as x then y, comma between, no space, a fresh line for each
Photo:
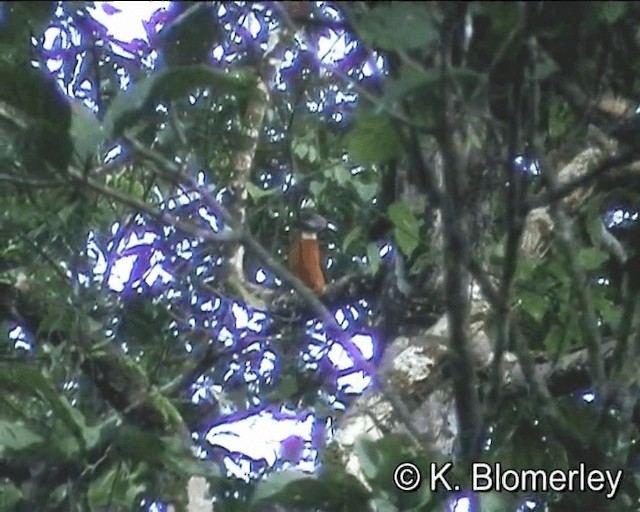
177,176
562,190
141,206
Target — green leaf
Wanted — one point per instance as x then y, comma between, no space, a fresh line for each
422,81
86,133
373,140
366,191
494,502
545,69
43,115
190,37
312,155
115,489
398,26
526,267
610,12
300,148
177,457
406,227
351,237
21,20
284,389
369,457
31,382
331,490
591,258
138,445
554,340
534,304
373,257
338,173
382,505
316,187
9,496
174,82
275,484
256,192
16,436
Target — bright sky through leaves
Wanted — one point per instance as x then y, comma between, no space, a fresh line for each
134,261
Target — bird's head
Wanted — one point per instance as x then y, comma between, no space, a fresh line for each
311,221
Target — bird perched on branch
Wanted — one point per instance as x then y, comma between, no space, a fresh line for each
305,260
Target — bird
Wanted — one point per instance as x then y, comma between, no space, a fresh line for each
305,261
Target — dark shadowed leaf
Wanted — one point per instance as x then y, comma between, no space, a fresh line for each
353,235
406,227
170,83
534,304
373,256
399,26
9,496
87,134
16,436
591,258
275,484
369,457
610,12
373,140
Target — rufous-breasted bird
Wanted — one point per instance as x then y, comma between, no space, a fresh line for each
305,260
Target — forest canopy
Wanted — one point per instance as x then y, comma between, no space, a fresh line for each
470,173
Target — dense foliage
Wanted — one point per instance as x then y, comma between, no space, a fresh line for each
149,188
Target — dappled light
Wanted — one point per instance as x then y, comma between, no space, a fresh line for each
303,251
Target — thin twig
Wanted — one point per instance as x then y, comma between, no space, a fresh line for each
171,171
562,190
136,204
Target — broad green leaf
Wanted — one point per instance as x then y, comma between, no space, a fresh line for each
546,68
9,496
368,456
591,258
316,187
171,83
366,191
382,505
300,148
284,389
422,81
312,155
354,234
526,267
256,192
87,134
177,457
139,445
398,26
331,490
610,12
534,304
16,436
188,39
275,484
373,140
31,382
554,340
406,227
338,173
115,489
494,502
43,115
373,257
21,20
